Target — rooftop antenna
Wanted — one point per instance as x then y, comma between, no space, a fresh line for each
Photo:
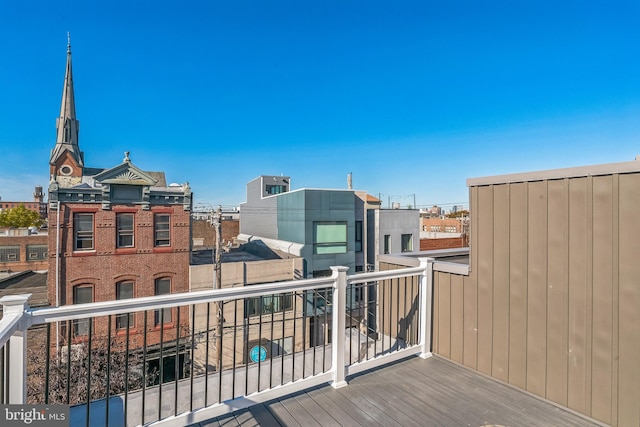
68,42
349,181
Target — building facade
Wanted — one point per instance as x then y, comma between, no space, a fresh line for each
318,225
20,250
114,233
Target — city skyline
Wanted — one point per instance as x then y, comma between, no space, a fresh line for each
410,98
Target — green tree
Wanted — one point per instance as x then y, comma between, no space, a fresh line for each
20,217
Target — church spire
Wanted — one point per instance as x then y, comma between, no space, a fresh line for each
67,125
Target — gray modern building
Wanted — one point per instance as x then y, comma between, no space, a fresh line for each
319,225
326,227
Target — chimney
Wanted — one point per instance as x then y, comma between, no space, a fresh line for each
349,181
37,195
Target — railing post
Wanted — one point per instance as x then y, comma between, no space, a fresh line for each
426,307
338,327
15,306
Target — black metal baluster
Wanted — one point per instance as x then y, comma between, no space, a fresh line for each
398,318
348,314
326,325
161,364
304,334
247,329
260,307
235,344
69,326
89,371
280,296
144,362
415,296
284,315
360,293
206,358
390,311
106,417
219,348
127,367
295,337
315,326
177,363
47,367
383,289
191,365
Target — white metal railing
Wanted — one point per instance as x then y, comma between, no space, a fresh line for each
386,315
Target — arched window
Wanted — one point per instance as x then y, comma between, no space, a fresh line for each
124,290
82,294
163,286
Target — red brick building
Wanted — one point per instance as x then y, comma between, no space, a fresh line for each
114,233
21,251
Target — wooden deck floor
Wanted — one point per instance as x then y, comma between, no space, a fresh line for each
412,392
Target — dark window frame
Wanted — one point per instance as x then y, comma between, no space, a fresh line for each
125,233
83,239
161,230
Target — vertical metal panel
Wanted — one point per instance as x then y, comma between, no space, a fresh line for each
444,316
484,246
470,350
629,294
603,309
615,294
436,314
457,317
579,288
537,289
500,350
557,298
518,220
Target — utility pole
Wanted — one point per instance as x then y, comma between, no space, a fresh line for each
216,221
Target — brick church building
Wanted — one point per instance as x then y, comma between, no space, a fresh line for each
114,233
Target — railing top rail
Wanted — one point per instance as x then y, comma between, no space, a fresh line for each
79,311
388,274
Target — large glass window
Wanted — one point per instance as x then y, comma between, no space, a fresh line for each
276,189
407,242
124,290
330,237
268,304
358,236
83,231
124,225
161,229
82,294
163,286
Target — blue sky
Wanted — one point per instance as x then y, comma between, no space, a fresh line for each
412,97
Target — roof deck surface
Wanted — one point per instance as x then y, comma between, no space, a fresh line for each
411,392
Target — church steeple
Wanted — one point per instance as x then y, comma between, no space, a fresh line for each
67,125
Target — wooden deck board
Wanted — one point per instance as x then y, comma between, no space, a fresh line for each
411,392
281,414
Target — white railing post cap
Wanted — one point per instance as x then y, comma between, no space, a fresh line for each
14,303
15,300
339,269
